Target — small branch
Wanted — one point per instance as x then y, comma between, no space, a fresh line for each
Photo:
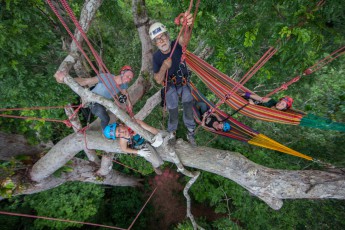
150,104
185,193
193,175
90,153
106,164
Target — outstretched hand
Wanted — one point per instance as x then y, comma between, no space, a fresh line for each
145,152
157,140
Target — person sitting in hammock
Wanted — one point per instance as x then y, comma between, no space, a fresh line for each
283,104
131,142
213,120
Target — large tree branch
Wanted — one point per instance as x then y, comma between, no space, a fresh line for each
83,171
270,185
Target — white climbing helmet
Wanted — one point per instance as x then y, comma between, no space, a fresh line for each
156,29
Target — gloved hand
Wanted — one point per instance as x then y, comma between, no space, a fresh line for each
157,140
144,152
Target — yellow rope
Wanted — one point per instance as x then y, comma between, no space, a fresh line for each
266,142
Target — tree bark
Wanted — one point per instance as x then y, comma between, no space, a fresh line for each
270,185
83,171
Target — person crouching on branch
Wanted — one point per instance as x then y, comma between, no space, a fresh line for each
133,143
108,86
177,77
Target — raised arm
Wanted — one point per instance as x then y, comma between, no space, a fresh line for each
147,127
189,17
87,81
60,75
255,97
218,117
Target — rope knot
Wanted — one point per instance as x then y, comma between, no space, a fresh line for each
83,130
308,71
67,123
178,19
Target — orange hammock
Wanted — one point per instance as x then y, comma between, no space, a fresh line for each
221,84
240,131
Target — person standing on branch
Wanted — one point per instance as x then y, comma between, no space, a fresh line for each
166,63
108,86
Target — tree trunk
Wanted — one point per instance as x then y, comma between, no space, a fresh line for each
83,171
12,145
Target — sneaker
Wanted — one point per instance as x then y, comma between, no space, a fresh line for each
191,139
158,171
172,138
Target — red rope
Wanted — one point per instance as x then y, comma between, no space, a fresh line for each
310,70
58,219
66,122
99,60
94,52
187,35
142,209
127,166
40,108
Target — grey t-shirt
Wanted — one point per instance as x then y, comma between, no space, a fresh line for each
109,83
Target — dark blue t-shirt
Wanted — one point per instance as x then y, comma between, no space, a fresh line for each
177,68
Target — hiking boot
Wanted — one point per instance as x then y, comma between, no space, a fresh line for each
172,138
191,139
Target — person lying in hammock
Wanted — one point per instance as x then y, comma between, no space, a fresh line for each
283,104
213,120
131,142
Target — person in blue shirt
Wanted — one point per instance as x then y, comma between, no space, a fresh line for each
108,86
177,77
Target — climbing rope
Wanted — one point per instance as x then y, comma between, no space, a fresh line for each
97,57
67,122
58,219
80,222
310,70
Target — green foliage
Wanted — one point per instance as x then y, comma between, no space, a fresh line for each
137,163
30,53
121,207
240,32
73,201
64,169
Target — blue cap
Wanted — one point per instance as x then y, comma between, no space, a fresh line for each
226,126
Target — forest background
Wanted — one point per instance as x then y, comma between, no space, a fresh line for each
238,32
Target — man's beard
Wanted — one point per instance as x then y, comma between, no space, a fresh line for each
164,48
